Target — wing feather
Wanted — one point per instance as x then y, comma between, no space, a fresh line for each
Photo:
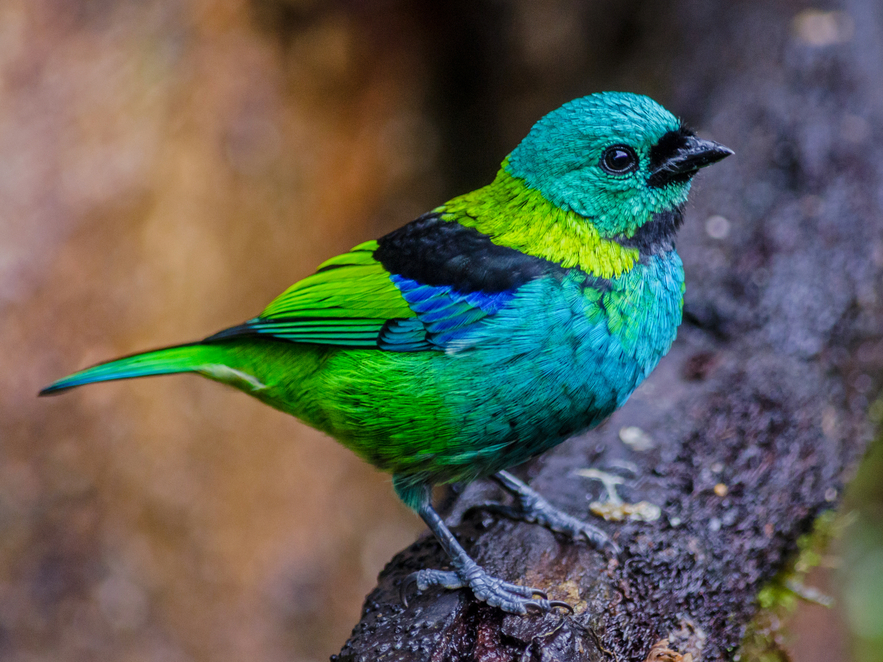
409,291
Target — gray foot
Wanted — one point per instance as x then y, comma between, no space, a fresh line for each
467,573
535,509
510,598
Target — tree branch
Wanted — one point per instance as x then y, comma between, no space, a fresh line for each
754,421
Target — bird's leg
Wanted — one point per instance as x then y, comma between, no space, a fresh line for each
467,573
535,509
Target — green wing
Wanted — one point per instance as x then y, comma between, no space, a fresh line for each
432,284
350,301
353,285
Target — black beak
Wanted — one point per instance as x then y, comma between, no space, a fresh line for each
691,154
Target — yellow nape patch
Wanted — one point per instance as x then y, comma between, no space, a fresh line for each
519,217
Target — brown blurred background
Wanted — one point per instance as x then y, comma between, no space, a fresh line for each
166,168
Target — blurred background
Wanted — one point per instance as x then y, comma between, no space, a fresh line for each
169,166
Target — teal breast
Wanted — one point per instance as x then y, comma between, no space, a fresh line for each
556,361
563,353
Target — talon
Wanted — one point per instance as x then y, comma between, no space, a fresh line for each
493,591
611,546
535,509
563,605
530,604
404,589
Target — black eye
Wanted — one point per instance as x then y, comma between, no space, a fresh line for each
619,159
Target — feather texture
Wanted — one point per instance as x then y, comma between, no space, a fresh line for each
488,330
491,328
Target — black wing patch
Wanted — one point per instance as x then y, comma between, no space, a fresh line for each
435,252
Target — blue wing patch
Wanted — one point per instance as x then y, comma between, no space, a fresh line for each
379,294
443,316
403,335
443,313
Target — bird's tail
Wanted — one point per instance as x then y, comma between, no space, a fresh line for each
180,358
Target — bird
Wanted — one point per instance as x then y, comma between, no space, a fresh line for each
486,331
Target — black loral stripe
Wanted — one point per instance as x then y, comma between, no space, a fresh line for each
436,252
665,148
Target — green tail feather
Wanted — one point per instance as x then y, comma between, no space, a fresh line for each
181,358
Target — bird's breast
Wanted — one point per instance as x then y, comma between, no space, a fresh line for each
557,360
584,344
642,311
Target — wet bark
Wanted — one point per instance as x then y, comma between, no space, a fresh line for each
757,417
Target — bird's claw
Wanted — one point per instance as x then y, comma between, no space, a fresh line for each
545,514
423,579
405,588
564,605
511,598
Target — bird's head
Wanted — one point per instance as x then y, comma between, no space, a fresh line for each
615,158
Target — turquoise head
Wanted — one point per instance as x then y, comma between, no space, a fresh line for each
615,158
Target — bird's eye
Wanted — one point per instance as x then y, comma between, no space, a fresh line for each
619,159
